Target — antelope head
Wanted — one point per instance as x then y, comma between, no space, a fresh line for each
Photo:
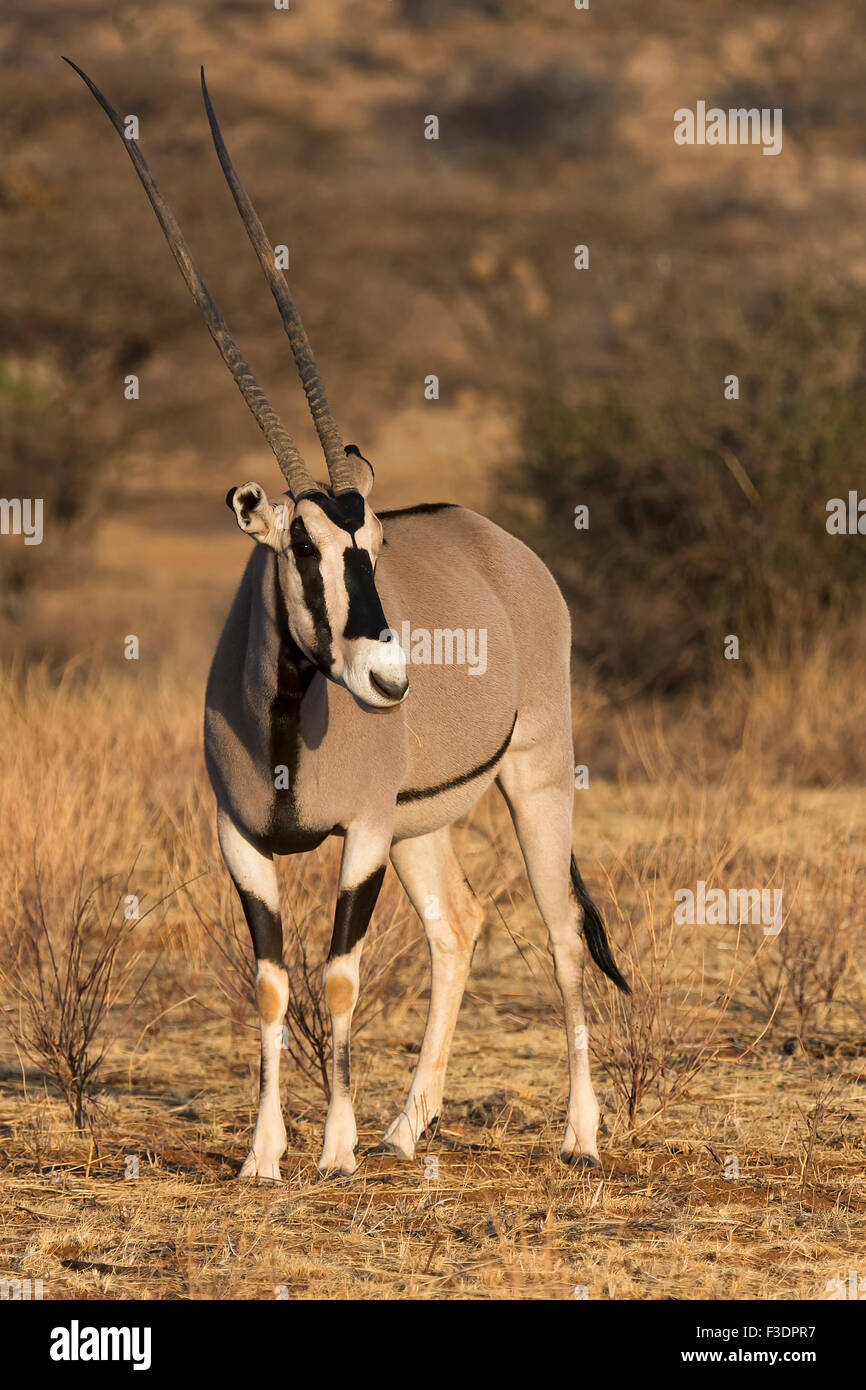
327,545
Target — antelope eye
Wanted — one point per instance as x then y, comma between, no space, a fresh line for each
302,550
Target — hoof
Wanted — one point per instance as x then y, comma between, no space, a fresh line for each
579,1160
400,1139
254,1167
392,1149
335,1171
337,1165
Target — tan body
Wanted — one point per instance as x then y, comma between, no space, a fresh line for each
444,569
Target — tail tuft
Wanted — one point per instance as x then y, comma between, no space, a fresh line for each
594,933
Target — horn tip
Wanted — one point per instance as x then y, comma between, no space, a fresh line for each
81,73
206,94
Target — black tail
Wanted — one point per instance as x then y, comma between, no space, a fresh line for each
594,933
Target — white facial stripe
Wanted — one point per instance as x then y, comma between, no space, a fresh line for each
336,598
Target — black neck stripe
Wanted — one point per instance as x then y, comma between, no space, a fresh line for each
294,674
421,793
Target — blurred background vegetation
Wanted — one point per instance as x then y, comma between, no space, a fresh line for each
602,387
707,517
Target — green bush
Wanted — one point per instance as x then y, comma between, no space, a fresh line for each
707,516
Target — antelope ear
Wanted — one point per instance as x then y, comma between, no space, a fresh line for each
362,468
255,515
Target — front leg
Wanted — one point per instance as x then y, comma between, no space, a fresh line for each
361,872
255,879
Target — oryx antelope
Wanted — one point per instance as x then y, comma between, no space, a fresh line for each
311,728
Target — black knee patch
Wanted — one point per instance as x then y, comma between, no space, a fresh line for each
266,928
354,910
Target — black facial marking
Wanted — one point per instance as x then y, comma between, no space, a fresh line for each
313,587
354,910
421,793
345,511
302,543
365,617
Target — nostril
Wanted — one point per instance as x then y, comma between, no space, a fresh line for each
392,690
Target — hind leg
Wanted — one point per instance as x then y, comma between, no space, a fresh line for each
539,796
255,879
452,916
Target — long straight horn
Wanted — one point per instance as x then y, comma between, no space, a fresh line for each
342,477
287,456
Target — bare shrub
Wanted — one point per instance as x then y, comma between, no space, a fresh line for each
657,1042
64,974
802,970
830,1101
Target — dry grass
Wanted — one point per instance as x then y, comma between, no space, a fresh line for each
779,1087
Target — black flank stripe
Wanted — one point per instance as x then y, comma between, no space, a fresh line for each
419,794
